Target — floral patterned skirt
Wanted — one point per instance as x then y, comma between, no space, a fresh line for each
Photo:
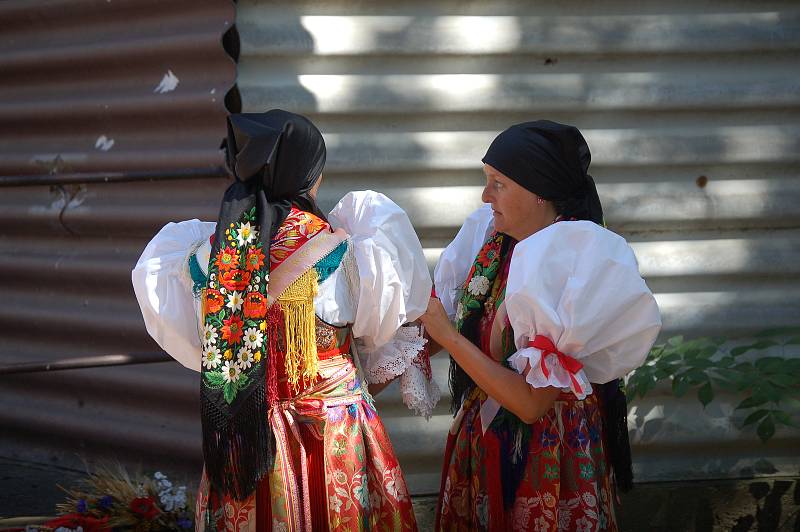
566,485
334,468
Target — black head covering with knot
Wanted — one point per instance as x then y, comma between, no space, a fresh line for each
276,158
552,161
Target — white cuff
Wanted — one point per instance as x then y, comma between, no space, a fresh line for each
557,375
396,358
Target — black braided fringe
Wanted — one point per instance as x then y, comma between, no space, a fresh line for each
239,450
616,435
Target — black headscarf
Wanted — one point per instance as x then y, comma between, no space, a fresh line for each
276,157
552,161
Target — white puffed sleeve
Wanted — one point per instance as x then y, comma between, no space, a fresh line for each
394,287
579,286
457,258
163,287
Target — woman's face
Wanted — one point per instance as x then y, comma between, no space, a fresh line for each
517,211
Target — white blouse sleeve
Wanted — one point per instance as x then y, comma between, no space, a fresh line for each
579,286
163,287
457,258
393,288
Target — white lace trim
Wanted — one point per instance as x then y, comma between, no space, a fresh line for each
419,394
558,376
397,358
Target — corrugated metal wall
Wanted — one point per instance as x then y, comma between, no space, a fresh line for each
102,87
692,112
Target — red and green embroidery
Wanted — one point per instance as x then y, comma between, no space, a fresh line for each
235,307
480,280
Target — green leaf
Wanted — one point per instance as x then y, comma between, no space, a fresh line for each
793,404
708,352
764,344
229,391
739,351
705,394
769,363
777,331
782,379
783,418
662,374
755,416
752,402
243,382
766,429
214,379
701,363
695,376
690,353
726,385
473,304
675,341
679,387
764,389
726,361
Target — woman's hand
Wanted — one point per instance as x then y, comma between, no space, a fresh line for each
437,324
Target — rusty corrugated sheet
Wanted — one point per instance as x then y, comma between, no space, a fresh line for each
97,87
112,85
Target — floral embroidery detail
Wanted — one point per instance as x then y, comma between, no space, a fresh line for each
584,525
214,301
254,260
522,512
231,371
253,338
478,285
487,256
479,280
587,471
231,310
235,279
245,234
227,259
209,334
232,330
244,358
326,336
255,305
211,357
540,525
234,301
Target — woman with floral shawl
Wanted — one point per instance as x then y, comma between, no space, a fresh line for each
550,310
279,307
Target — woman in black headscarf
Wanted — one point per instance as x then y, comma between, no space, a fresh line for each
282,294
534,445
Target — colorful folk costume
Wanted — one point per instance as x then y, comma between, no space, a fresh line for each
280,310
568,305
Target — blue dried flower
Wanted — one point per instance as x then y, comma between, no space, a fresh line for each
105,502
185,522
82,506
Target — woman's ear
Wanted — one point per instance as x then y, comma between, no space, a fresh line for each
315,188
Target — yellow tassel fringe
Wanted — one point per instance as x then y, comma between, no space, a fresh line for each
297,304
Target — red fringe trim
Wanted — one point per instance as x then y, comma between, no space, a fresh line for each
274,346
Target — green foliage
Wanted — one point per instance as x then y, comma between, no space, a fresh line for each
769,385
